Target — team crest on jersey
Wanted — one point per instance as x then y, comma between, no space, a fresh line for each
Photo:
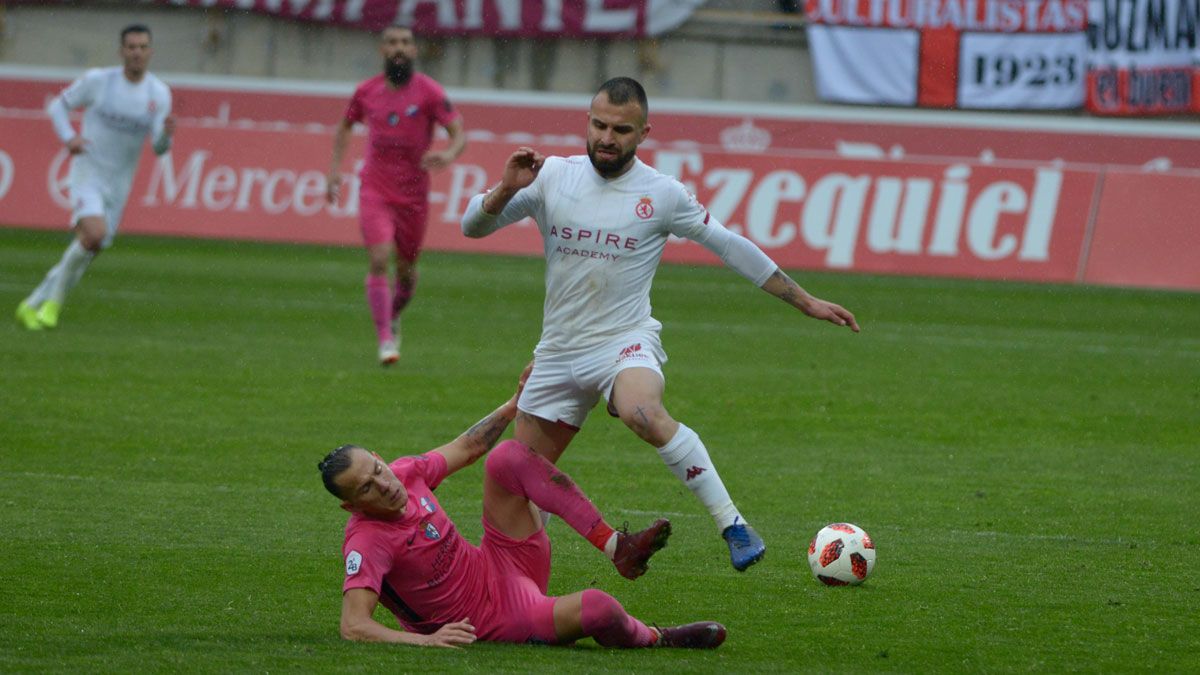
431,532
644,208
353,563
428,505
411,110
151,106
393,119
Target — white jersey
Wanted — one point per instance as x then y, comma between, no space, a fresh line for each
118,115
603,240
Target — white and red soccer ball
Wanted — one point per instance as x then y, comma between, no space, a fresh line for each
841,554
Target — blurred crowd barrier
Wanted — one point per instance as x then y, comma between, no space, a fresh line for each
974,195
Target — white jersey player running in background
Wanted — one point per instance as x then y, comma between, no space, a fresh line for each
605,219
122,105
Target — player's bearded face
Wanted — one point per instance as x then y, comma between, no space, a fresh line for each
614,132
399,51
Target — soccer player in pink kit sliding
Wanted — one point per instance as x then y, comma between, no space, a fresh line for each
400,108
605,218
402,549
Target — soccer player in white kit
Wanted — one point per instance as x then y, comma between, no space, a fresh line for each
122,105
605,219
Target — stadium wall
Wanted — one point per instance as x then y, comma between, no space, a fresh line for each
866,190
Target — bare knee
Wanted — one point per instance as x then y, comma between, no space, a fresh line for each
650,421
91,233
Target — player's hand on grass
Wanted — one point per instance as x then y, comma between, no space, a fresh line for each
831,312
522,168
333,187
452,635
77,145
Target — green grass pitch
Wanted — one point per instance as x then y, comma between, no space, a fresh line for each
1026,457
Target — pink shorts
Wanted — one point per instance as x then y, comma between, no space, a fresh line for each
521,611
383,221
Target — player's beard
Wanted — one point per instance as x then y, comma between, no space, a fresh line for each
610,167
398,72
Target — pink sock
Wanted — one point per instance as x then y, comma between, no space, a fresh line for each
607,622
380,301
522,471
403,293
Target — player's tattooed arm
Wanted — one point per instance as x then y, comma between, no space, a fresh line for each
488,430
785,288
476,441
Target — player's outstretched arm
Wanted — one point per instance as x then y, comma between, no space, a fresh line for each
783,287
476,441
483,215
358,604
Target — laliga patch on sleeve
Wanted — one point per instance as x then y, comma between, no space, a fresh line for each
353,563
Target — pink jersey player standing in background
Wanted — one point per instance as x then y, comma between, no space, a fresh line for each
400,108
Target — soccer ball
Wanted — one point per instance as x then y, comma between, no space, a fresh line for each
841,554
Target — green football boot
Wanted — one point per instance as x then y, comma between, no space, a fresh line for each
27,316
47,314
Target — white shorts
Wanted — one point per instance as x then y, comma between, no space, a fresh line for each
565,387
91,199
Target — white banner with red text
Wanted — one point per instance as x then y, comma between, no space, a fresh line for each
906,192
982,54
523,18
1143,57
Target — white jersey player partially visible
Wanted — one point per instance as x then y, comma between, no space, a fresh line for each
122,106
605,219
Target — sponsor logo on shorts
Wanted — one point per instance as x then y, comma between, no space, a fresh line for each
633,351
353,563
644,208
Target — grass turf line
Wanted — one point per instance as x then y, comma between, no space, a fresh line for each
1023,455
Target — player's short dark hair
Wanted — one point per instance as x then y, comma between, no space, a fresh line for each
135,28
337,461
622,90
397,26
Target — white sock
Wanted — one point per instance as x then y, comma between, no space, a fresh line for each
610,546
688,459
42,292
74,263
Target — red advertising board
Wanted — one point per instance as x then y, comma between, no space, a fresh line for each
909,197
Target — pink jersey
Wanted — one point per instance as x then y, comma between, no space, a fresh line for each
421,567
400,125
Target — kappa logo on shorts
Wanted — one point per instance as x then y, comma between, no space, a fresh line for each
428,505
353,563
644,208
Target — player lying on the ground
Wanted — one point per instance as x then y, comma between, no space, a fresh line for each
403,550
